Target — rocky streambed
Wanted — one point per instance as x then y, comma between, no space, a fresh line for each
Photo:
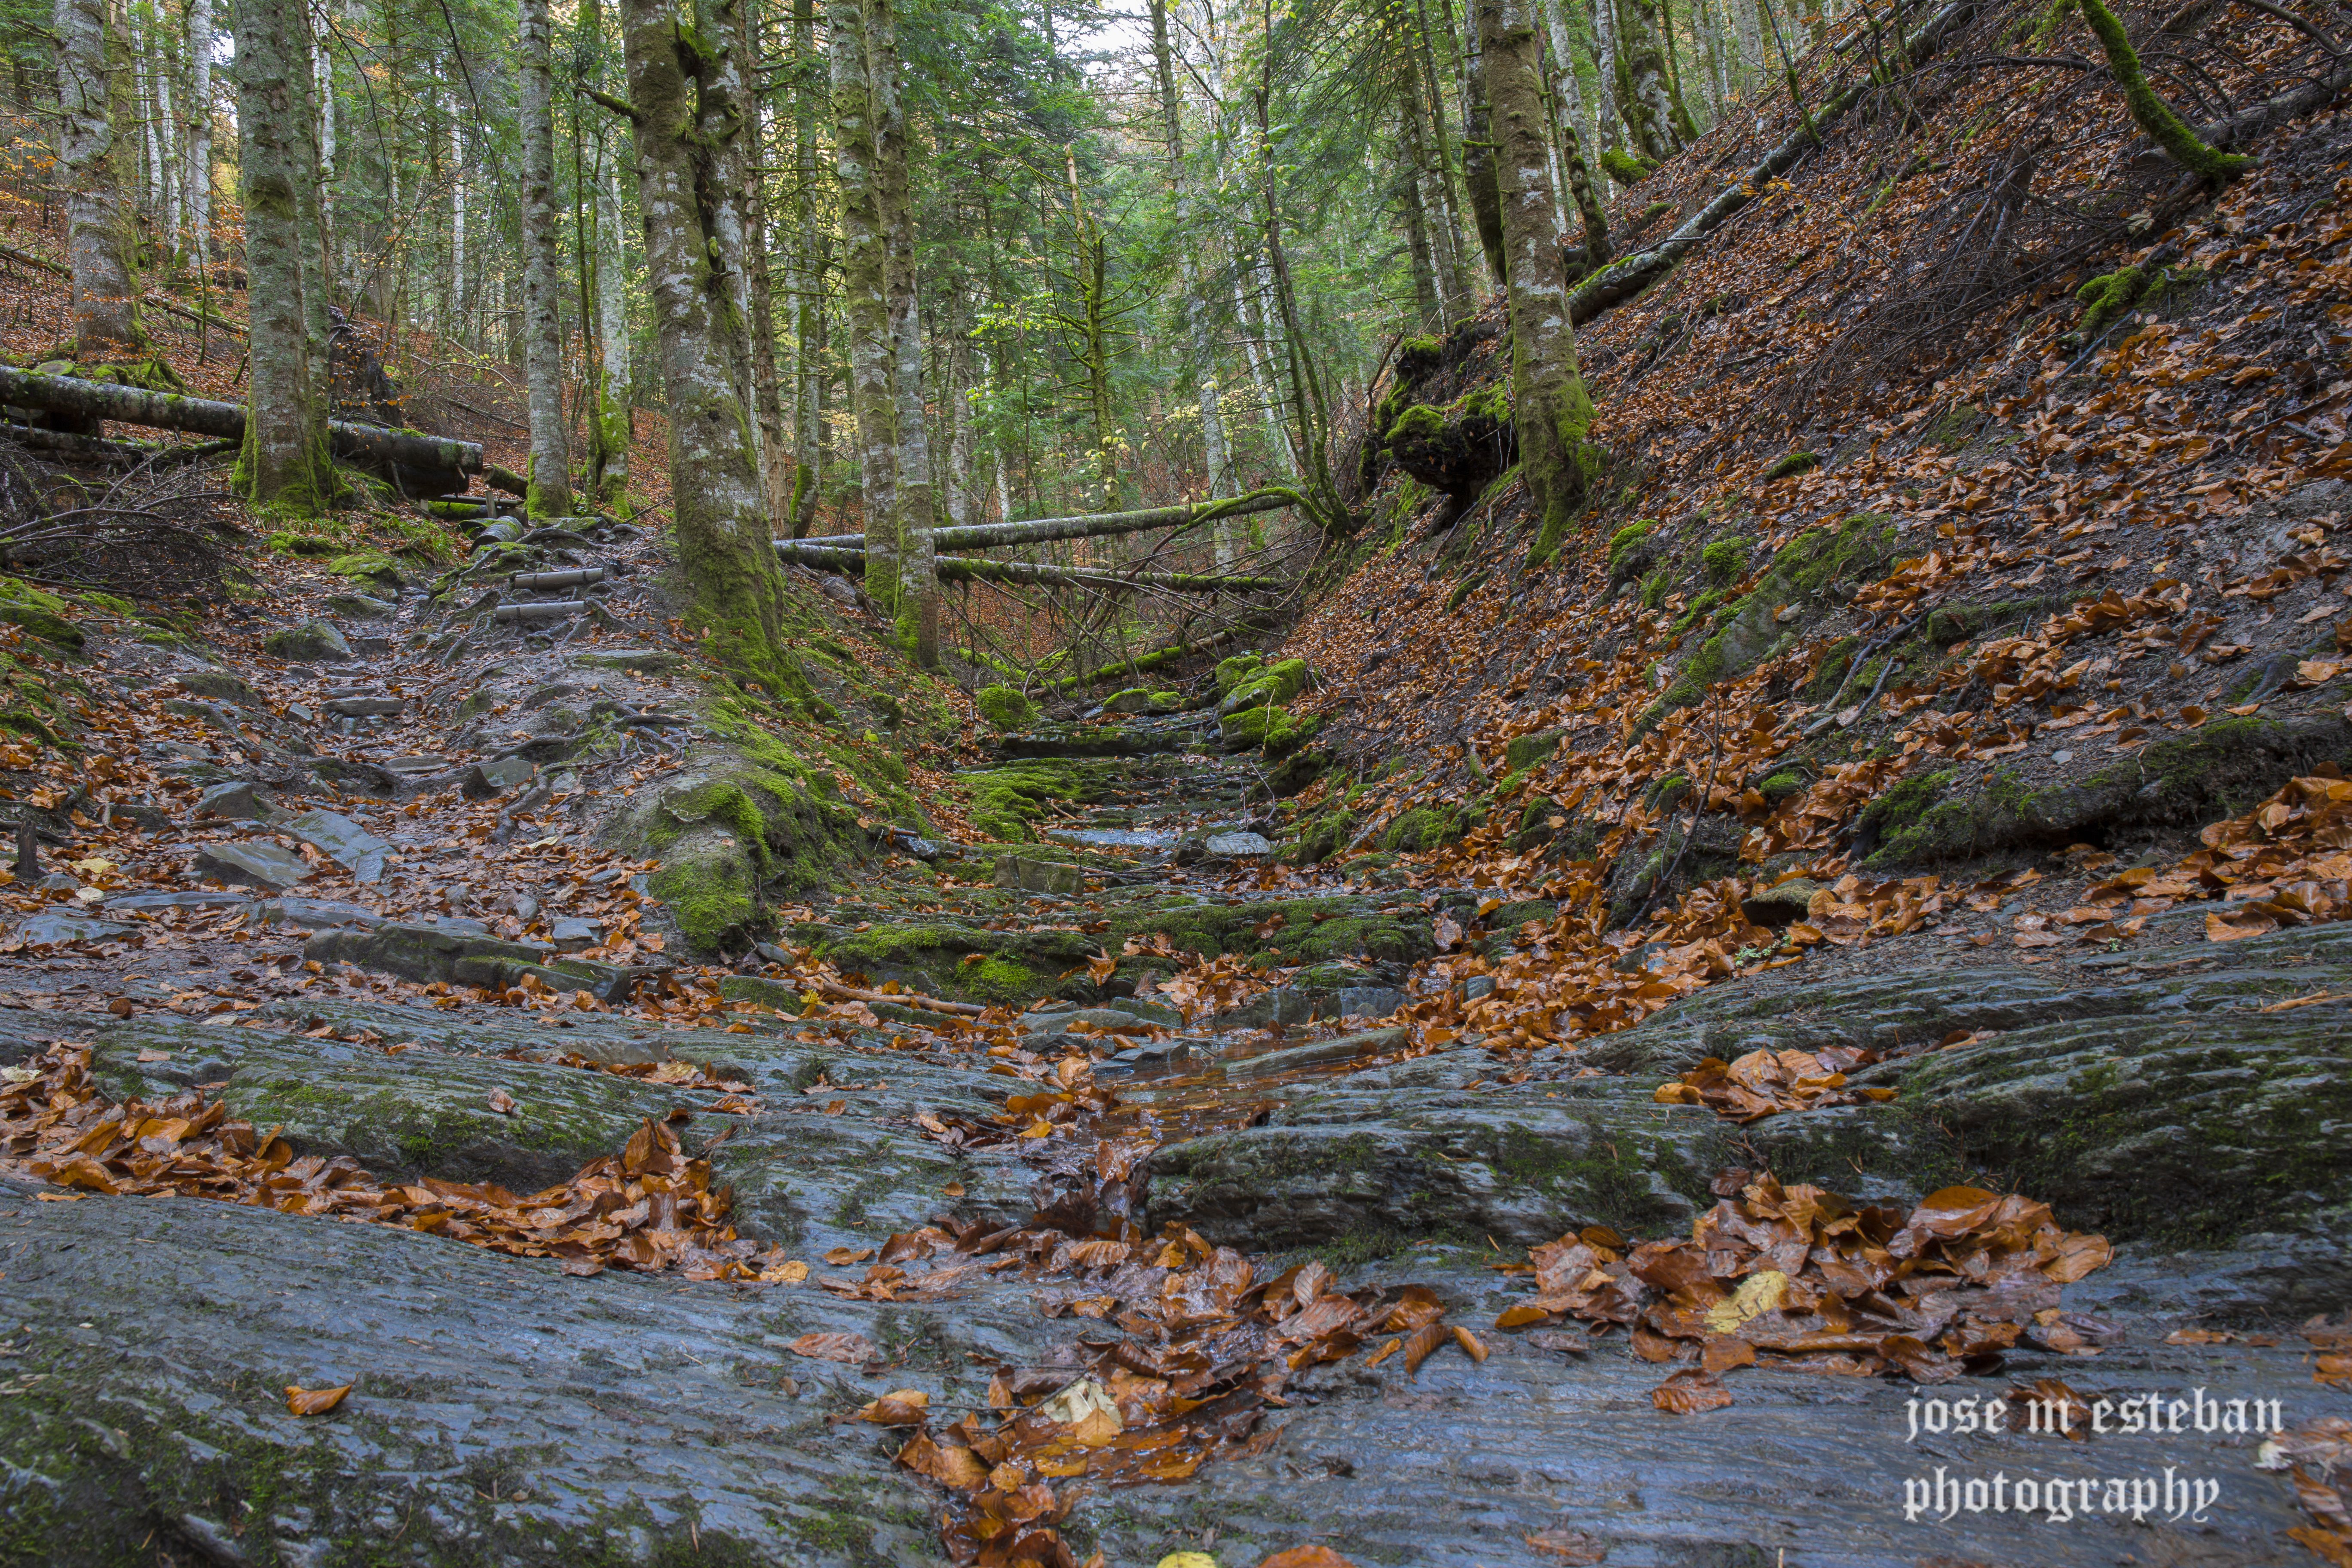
2187,1100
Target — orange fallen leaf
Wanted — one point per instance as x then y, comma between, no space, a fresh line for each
899,1407
502,1102
1306,1557
834,1347
314,1400
1689,1392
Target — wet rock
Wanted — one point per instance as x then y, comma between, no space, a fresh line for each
255,864
648,661
364,707
1521,1165
313,642
316,914
571,934
763,991
1782,902
427,952
343,841
484,780
362,606
237,800
1236,847
191,898
220,686
418,1114
58,882
1367,1002
1321,1053
1040,876
50,926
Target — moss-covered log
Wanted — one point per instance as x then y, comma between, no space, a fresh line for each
1038,530
96,399
843,558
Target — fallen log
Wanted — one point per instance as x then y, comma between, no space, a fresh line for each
1037,531
1620,280
958,568
95,400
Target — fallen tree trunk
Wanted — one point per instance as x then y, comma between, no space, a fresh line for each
1037,531
95,400
957,568
1620,280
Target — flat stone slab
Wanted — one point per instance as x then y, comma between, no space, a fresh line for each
50,926
364,707
503,1415
191,898
1040,876
256,864
343,841
316,914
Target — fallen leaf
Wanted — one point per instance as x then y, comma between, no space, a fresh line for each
899,1407
841,1254
1689,1392
790,1272
502,1102
1306,1557
1570,1546
314,1400
834,1347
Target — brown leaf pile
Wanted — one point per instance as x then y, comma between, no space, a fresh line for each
2317,1457
1800,1278
1762,1082
649,1208
1198,1353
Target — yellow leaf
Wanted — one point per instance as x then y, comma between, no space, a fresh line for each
314,1400
1760,1292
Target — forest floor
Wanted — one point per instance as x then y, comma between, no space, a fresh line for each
1807,958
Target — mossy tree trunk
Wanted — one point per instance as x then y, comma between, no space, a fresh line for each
767,380
1551,412
2148,110
917,493
285,466
868,311
1478,160
814,239
1452,290
1452,259
1565,106
94,115
676,82
1641,91
542,274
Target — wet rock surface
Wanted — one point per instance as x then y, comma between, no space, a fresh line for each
504,1411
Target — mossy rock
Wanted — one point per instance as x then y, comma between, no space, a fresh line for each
1274,684
1953,427
1232,672
1320,838
1005,707
731,830
1006,800
1524,751
1459,450
1795,463
313,642
1804,571
1246,729
2219,771
40,613
1296,771
368,566
1725,561
1626,168
288,543
1287,734
962,963
1426,827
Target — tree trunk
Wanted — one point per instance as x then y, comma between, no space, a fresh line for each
1452,260
285,466
1427,312
1608,107
101,242
1093,525
1550,410
918,500
812,241
1196,308
1479,161
1567,104
1452,289
863,286
1648,109
767,383
542,279
959,569
682,155
614,426
200,133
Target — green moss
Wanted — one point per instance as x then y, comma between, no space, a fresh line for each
1526,750
1793,464
1624,167
367,565
1232,672
1274,683
1286,735
1417,422
1005,707
41,613
1000,979
1780,786
1802,572
1725,561
1656,587
1426,827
